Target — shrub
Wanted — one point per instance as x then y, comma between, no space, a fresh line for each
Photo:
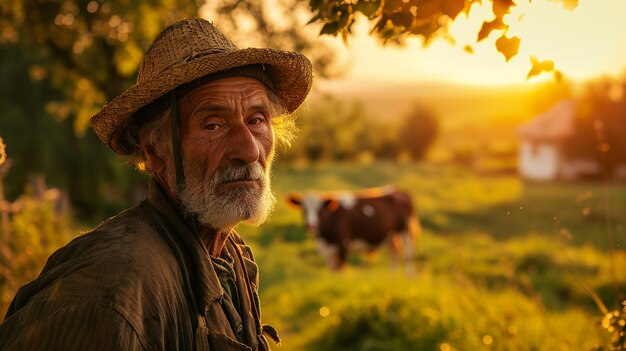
36,232
393,324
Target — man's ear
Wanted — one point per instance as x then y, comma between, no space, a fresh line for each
153,161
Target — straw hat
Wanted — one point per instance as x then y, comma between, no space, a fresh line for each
188,50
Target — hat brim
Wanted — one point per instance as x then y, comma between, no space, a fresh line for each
290,72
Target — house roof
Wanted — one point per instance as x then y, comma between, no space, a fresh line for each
554,124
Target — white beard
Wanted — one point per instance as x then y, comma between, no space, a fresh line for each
201,195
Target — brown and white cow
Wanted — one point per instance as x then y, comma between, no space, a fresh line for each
347,222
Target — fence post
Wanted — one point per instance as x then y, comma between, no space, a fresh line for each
5,164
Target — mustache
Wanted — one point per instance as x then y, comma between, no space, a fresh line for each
236,172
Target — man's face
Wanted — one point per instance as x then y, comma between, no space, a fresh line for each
226,141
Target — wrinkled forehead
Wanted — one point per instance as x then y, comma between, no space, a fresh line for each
227,97
225,90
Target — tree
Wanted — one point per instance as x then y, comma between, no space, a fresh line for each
272,23
339,131
63,59
88,50
324,132
395,20
39,142
418,132
600,126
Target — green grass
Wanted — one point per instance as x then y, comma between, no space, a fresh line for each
502,265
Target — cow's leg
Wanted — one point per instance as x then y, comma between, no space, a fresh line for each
342,256
409,238
408,245
395,246
330,252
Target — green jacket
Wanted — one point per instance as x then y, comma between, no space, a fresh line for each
141,280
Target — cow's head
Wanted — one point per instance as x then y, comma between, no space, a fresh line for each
311,205
315,209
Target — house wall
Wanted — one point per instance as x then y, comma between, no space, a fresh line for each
538,160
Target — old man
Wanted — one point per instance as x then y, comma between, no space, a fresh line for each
171,273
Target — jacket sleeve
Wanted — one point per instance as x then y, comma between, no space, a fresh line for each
77,326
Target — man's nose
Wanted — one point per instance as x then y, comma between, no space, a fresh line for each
243,145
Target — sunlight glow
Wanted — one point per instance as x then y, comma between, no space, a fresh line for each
582,42
586,42
324,311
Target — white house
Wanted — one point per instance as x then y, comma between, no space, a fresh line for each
541,155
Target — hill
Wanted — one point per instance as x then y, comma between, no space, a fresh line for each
468,114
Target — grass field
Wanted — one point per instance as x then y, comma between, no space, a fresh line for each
502,265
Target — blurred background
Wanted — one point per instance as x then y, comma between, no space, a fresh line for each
505,120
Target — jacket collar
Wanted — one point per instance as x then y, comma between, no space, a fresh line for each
193,258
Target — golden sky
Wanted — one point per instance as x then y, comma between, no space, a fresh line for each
584,43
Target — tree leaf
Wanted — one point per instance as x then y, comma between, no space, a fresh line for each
315,4
381,24
427,9
314,19
426,30
330,28
508,46
452,8
391,6
345,19
404,19
369,8
488,27
502,7
568,4
558,76
468,49
539,66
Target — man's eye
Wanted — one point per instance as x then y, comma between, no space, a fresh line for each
211,126
256,120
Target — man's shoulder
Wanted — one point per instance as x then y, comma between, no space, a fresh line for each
123,255
124,238
122,232
127,224
72,326
123,266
